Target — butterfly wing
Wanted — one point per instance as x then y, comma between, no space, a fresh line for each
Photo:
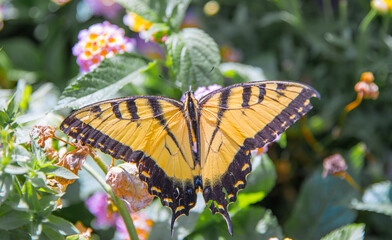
237,119
149,131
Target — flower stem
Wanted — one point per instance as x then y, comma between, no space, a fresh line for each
122,208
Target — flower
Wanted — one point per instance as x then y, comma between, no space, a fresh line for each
365,88
100,41
72,161
190,20
334,165
211,8
136,23
230,54
107,8
382,6
98,205
142,224
127,185
150,50
202,91
106,215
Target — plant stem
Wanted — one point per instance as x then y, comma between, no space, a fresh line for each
122,208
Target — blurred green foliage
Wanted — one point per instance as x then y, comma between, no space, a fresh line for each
327,44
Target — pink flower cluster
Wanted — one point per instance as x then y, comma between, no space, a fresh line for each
100,41
107,8
98,204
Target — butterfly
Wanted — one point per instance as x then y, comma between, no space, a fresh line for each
204,145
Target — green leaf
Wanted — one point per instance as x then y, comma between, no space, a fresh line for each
51,233
256,223
376,198
61,225
348,232
103,82
14,170
259,182
59,172
194,56
242,72
30,196
248,223
175,11
14,219
148,9
5,184
356,158
321,207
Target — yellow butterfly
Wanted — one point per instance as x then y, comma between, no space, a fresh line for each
183,147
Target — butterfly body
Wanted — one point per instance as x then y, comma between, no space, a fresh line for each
199,145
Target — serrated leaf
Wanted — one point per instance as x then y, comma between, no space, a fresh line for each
175,11
147,9
246,73
348,232
14,219
195,58
59,172
103,82
376,198
61,225
321,207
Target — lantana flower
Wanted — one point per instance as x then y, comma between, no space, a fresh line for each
107,8
202,91
190,20
230,54
105,215
100,41
136,23
142,26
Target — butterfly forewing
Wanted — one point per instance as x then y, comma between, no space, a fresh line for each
237,119
150,131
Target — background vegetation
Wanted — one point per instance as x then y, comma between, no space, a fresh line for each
327,44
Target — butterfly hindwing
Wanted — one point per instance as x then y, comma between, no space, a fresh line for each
237,119
149,131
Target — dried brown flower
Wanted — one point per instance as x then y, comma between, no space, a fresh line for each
333,165
127,185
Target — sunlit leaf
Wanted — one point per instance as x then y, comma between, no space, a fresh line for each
348,232
377,198
104,82
61,225
59,172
